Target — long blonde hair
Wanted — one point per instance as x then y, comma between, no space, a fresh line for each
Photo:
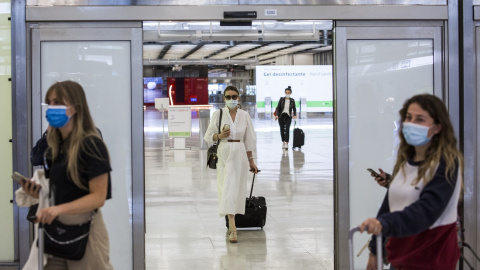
443,145
83,129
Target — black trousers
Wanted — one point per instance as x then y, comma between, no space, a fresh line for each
284,121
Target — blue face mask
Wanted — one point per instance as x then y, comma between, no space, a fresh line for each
57,116
415,135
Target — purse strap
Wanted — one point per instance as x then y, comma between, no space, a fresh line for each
219,124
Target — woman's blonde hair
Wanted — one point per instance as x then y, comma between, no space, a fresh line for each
83,129
443,144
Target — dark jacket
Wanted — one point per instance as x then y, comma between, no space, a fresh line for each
281,105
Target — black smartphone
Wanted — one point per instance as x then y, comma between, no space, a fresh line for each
374,173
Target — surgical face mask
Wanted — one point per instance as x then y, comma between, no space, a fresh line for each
415,135
231,103
287,95
57,116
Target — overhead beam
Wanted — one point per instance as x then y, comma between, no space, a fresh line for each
212,12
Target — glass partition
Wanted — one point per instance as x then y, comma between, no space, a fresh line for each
382,74
378,66
103,70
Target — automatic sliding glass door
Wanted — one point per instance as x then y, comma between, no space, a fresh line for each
107,63
377,69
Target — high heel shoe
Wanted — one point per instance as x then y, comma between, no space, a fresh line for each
232,236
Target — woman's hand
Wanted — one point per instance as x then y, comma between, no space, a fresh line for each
276,117
382,180
371,226
225,134
30,187
294,117
253,167
47,215
372,262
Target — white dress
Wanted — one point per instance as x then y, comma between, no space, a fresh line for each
232,166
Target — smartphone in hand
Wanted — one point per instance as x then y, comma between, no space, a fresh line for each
374,173
18,177
226,126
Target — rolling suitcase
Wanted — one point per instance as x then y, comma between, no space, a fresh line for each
255,212
350,248
298,137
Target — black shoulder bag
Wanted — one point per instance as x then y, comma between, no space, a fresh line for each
212,157
62,240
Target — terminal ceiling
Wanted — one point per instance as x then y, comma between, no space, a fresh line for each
213,44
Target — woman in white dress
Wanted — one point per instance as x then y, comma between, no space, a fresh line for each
235,157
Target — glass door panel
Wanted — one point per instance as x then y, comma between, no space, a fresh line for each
103,70
105,62
382,74
377,69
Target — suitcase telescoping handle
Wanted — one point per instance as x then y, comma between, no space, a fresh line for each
251,189
40,246
379,247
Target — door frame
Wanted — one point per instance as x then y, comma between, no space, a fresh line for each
21,14
107,31
361,30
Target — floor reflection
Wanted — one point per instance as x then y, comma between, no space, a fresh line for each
182,223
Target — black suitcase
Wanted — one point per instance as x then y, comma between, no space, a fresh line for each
298,137
255,212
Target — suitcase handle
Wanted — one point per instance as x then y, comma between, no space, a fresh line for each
41,244
251,190
379,247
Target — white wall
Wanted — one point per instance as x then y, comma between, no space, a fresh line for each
6,162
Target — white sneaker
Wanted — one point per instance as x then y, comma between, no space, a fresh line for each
285,145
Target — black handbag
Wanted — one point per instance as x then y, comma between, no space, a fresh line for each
66,241
212,157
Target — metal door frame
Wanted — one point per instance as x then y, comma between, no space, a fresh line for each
126,31
21,14
378,30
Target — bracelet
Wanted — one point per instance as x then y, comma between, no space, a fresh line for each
250,158
218,137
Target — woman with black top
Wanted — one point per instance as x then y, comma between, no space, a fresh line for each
79,170
284,112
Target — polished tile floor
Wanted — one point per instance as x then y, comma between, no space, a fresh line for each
183,230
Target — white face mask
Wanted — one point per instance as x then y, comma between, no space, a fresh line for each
231,103
287,95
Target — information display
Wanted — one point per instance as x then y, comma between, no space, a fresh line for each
179,121
315,83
